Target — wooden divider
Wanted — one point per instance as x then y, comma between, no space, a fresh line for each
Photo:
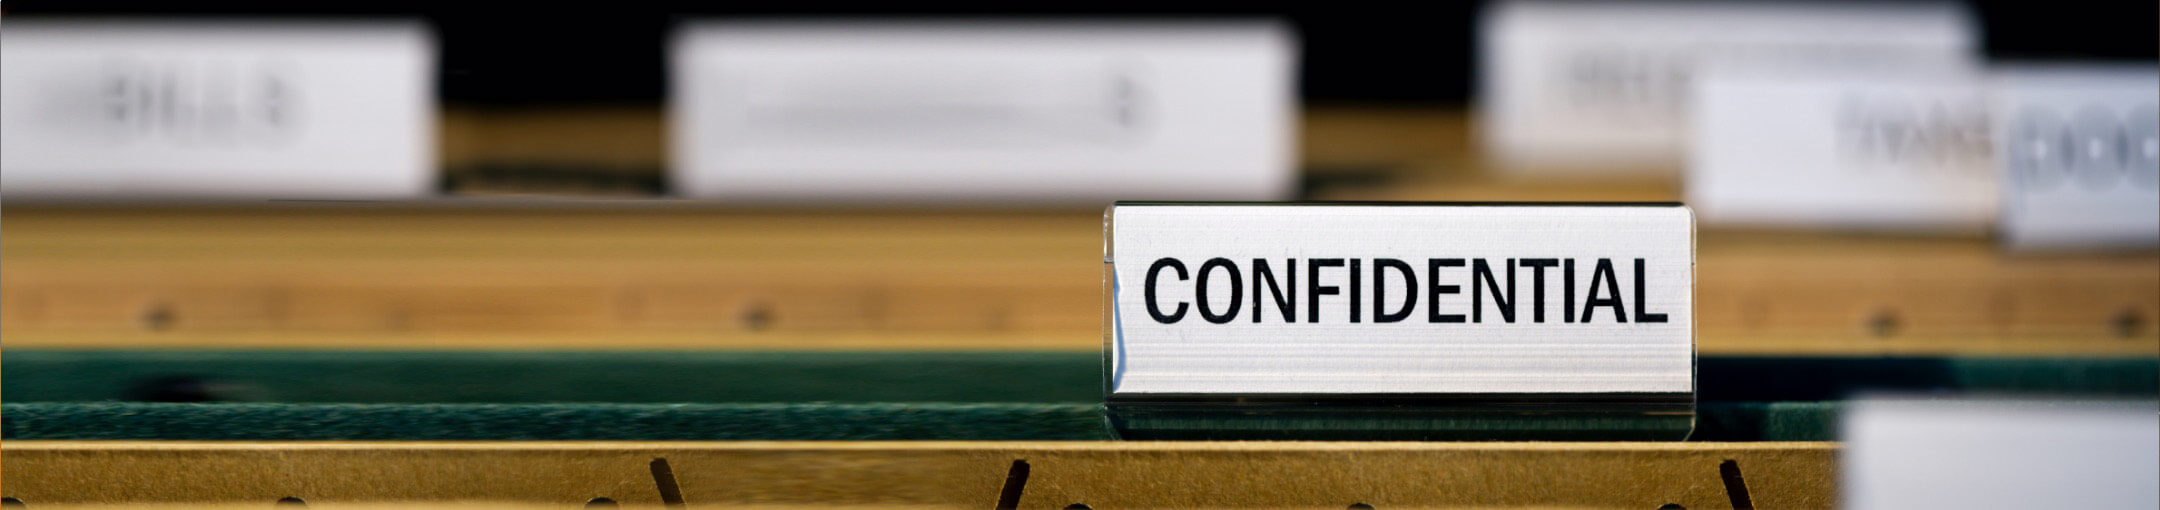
937,474
639,275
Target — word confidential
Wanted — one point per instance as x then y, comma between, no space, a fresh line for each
1340,287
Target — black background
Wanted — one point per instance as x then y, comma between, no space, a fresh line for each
505,54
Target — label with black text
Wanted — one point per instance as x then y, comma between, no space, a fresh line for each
1271,299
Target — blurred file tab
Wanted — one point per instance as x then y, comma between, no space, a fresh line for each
2080,156
1603,87
1842,148
1980,453
915,111
140,109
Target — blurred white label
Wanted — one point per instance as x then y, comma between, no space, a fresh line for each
940,111
1916,454
1602,87
2079,155
103,109
1842,149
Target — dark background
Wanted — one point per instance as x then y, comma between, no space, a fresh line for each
503,54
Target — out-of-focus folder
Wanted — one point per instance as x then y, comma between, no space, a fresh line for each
952,111
1603,87
216,109
1842,147
2079,152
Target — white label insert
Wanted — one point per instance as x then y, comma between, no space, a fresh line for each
1400,299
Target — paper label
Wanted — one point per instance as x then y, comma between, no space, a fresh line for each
1604,87
2079,157
100,109
952,111
1401,299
